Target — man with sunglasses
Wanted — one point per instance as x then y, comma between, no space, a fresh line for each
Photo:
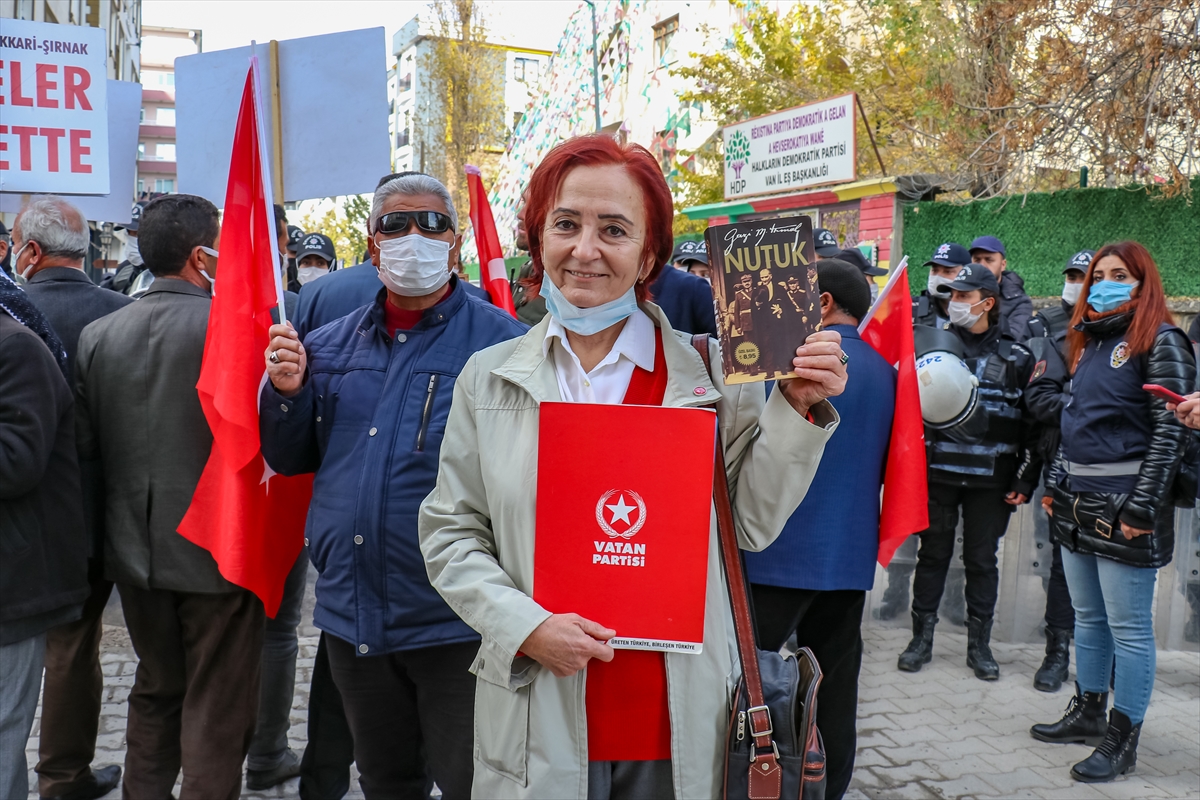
363,403
197,636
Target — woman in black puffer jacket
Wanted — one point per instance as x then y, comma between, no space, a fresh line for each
1113,510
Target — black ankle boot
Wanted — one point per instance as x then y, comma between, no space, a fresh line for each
1052,673
895,597
1116,755
920,650
1084,721
979,651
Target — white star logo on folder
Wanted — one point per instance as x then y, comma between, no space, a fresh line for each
621,512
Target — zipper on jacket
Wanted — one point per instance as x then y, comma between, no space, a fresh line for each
427,412
741,733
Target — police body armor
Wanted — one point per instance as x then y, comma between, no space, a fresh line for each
972,446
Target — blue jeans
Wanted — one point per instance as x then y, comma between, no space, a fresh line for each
1112,615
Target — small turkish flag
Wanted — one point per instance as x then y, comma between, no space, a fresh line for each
249,518
492,273
888,328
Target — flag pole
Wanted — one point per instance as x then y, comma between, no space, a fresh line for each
883,293
265,162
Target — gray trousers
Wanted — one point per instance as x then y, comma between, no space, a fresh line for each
20,683
630,780
280,646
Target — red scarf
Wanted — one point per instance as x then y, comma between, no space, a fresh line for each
628,718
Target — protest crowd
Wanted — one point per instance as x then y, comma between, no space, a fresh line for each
405,401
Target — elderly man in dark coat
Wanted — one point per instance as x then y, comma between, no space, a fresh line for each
52,262
198,637
43,552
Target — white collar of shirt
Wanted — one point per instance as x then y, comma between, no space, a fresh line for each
609,380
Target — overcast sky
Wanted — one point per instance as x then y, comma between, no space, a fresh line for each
234,23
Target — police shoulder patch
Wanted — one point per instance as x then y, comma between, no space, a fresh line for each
1039,370
1120,354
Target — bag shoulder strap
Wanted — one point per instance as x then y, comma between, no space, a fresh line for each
764,766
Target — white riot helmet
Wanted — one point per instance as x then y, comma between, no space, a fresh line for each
949,390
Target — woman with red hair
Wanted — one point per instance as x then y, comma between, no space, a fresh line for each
1112,508
558,712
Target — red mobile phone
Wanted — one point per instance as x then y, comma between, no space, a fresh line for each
1163,393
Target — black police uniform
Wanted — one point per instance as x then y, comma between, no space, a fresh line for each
972,465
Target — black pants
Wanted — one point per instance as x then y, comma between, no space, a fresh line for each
1059,611
829,624
325,768
407,710
985,518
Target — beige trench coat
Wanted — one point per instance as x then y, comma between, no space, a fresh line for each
477,535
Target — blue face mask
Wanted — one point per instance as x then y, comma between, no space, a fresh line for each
1106,295
587,321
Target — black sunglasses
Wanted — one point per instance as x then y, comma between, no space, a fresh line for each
428,221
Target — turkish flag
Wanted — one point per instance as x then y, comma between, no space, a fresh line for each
888,328
249,518
492,272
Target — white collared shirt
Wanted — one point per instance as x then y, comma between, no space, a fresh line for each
609,380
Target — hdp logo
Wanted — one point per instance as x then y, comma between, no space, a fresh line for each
737,152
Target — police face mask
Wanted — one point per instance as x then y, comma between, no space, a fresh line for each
934,282
587,321
961,314
1071,292
306,274
133,253
1106,295
414,265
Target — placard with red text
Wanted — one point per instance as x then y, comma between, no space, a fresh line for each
53,109
624,505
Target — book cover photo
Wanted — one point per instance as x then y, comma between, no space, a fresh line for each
766,295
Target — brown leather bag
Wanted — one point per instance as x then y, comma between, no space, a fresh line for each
763,763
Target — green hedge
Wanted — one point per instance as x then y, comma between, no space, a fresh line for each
1041,231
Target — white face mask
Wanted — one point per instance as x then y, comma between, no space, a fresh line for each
306,274
935,281
961,314
17,257
414,265
133,253
874,291
1071,292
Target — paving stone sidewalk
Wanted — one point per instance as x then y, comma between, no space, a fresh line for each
937,734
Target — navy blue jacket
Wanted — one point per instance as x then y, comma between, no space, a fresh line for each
343,292
335,295
832,540
369,421
686,299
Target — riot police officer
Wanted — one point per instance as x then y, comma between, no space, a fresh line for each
1045,397
929,308
125,279
979,444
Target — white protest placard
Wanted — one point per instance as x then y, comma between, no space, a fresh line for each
334,107
124,113
53,109
799,148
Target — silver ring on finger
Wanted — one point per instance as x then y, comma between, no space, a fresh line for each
274,357
845,358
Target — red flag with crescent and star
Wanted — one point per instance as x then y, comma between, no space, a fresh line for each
248,517
888,328
492,273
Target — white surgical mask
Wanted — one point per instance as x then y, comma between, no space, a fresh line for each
414,265
306,274
587,321
133,253
935,281
1071,292
212,282
874,291
17,257
961,314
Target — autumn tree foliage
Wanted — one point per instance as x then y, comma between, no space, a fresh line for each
983,97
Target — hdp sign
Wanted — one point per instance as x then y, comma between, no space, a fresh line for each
53,109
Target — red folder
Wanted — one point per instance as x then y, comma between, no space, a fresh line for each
624,498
